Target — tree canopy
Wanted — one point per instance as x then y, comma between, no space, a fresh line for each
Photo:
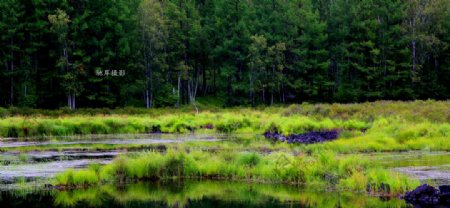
152,53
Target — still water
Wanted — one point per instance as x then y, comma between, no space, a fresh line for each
25,167
193,194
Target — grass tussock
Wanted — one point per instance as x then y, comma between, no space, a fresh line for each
323,169
79,177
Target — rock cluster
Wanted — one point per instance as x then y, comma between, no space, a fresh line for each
306,138
426,196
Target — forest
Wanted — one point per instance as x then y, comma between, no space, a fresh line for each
155,53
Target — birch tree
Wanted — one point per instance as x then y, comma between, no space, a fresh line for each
60,26
153,38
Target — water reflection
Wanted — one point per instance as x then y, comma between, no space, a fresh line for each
195,194
115,139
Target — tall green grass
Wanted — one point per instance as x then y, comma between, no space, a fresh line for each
365,127
434,111
79,177
323,169
392,134
251,122
291,119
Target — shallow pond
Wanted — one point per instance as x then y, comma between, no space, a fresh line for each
32,165
107,139
429,167
193,194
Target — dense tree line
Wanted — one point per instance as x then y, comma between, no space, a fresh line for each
150,53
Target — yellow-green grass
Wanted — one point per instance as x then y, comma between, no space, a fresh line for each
248,122
79,177
438,111
323,170
286,119
384,135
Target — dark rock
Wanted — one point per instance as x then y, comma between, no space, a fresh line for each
444,199
423,195
306,138
444,189
444,195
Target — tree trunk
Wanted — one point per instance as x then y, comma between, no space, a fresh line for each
11,95
179,83
69,101
151,88
11,98
204,80
147,100
272,88
264,95
151,98
6,71
252,100
215,71
413,47
271,98
414,60
73,101
71,95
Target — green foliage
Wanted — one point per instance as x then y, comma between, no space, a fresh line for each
239,52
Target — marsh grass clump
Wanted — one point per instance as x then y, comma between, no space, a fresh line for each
324,169
248,159
78,178
12,131
229,123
